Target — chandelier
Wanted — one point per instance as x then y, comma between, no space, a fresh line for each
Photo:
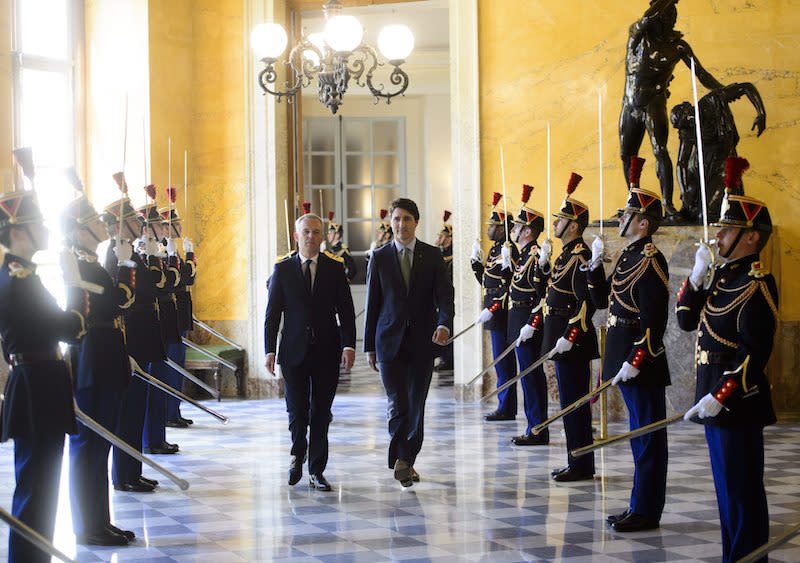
334,57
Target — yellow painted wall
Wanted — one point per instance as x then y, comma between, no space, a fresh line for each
542,60
6,125
196,97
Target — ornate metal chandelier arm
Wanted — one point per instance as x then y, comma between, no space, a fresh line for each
367,60
397,78
304,68
268,76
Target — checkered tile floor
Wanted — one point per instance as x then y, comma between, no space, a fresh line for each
480,499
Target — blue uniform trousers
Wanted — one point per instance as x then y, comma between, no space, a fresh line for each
88,461
573,383
737,462
646,404
155,419
177,353
126,469
37,468
534,386
506,369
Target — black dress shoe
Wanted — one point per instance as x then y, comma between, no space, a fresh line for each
127,534
617,517
572,474
635,523
163,448
177,424
531,440
402,472
295,470
495,416
555,472
139,487
319,482
102,537
414,475
151,482
186,420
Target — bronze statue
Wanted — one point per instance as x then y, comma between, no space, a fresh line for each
720,137
654,49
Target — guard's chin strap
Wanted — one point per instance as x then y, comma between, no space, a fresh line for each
30,235
627,225
559,235
734,245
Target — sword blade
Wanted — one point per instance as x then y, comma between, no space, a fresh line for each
209,354
700,161
757,554
199,382
216,333
496,361
520,375
658,425
33,536
449,340
571,407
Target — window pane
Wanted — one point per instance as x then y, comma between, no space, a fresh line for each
322,171
383,196
328,202
43,28
386,170
358,170
359,235
384,136
359,203
356,136
322,135
46,122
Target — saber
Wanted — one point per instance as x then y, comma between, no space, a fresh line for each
361,312
33,536
450,340
652,427
600,151
520,375
200,383
505,199
496,361
121,444
212,355
185,187
288,234
571,407
757,554
147,378
549,215
213,332
700,161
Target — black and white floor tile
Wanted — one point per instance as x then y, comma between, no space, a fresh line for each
480,499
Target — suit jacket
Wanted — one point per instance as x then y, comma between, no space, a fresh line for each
309,317
393,313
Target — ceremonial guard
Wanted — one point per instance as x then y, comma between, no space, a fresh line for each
568,328
445,244
176,351
383,234
37,410
735,316
525,319
495,277
336,247
143,339
636,295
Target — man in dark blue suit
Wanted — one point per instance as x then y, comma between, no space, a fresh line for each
409,298
309,289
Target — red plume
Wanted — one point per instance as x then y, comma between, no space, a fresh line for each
526,192
306,207
172,194
446,216
330,215
119,179
734,168
635,172
384,213
496,197
574,180
150,190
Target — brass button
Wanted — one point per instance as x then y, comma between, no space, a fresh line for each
699,333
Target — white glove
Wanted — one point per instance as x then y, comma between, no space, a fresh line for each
525,333
505,252
598,248
172,248
188,245
124,253
702,261
625,373
69,267
151,246
477,252
706,407
563,345
485,316
544,253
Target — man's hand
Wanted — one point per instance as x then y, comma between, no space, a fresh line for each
485,316
270,363
373,362
625,373
188,245
544,253
124,252
348,358
702,261
505,252
440,335
525,333
598,250
172,248
477,252
707,406
151,246
563,345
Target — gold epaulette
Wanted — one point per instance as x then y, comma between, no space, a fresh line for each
578,248
332,256
285,257
649,250
757,270
17,270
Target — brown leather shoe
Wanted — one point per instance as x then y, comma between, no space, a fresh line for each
402,472
414,475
